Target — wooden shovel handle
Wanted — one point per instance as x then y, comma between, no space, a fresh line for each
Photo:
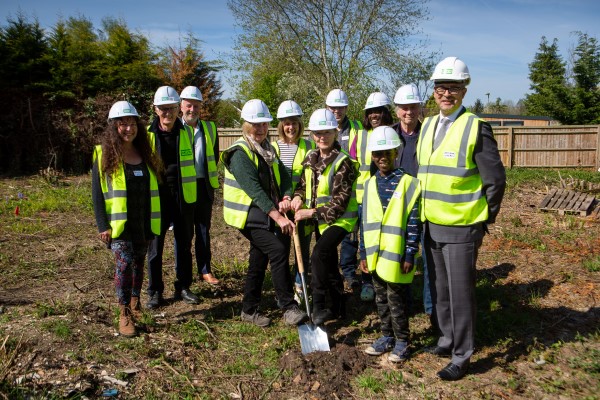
297,248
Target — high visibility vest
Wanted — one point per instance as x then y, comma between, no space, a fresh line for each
210,133
114,190
236,203
304,146
355,128
187,170
350,216
363,156
450,181
385,232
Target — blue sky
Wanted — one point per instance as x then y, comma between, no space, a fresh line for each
496,39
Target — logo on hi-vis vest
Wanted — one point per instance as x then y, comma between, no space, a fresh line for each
186,152
449,154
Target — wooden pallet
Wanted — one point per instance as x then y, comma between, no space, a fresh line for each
566,201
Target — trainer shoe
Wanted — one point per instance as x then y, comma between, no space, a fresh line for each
367,292
256,319
294,316
400,352
380,346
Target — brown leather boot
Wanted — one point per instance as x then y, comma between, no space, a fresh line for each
126,326
136,308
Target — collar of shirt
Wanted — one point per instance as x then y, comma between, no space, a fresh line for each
452,117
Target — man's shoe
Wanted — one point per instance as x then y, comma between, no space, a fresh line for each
256,319
380,346
400,352
187,296
294,316
155,301
321,316
210,278
438,351
453,372
367,292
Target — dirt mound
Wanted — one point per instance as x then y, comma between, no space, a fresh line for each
324,374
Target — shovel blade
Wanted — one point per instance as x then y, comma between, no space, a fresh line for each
312,338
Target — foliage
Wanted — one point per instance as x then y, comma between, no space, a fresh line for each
326,44
477,107
570,100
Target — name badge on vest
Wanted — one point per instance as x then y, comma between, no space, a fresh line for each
138,172
346,137
396,195
449,154
186,152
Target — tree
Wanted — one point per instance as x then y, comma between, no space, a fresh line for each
477,107
550,96
586,75
326,44
498,107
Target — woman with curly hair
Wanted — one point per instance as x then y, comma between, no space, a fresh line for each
125,177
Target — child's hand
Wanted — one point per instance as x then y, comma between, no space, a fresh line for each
407,267
363,266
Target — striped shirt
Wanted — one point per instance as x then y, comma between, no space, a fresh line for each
287,152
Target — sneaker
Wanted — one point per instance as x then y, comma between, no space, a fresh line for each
294,316
257,319
367,292
380,346
400,352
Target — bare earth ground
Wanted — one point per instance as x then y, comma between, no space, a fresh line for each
537,336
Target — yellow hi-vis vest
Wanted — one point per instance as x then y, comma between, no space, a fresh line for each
187,170
114,190
304,146
236,203
350,216
385,233
450,181
355,128
363,156
210,133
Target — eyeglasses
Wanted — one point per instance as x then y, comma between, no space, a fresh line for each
167,109
123,125
382,153
452,90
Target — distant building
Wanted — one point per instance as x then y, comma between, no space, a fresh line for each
518,120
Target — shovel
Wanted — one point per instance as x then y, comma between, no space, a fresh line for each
312,338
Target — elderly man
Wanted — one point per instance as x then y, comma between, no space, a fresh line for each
206,148
463,181
174,143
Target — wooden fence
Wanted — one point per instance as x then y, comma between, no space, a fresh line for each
558,146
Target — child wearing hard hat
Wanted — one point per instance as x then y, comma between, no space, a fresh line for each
389,241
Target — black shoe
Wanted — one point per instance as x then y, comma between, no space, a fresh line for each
187,296
438,351
155,301
453,372
322,316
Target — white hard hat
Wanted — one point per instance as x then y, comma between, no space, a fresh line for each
337,98
191,93
451,69
289,108
383,138
322,120
256,111
166,95
122,109
377,99
407,94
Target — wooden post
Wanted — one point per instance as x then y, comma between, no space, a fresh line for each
598,150
511,145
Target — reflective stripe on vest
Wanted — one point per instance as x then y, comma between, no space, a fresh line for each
210,133
363,156
385,233
114,190
451,184
304,146
236,203
350,215
187,170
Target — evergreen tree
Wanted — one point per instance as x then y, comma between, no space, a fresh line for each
586,75
477,107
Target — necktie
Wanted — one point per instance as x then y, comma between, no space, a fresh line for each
444,124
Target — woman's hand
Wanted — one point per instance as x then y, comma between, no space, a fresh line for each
287,226
407,267
285,205
305,213
363,266
297,203
105,236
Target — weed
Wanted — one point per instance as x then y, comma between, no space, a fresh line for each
60,328
592,264
394,377
43,310
368,382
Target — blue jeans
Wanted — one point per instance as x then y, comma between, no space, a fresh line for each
348,254
427,303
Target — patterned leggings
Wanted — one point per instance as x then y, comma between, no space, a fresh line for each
129,273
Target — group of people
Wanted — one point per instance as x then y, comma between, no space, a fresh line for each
377,189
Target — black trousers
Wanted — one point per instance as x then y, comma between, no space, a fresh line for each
392,307
265,247
326,277
202,217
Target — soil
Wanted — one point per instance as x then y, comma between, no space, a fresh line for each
530,264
